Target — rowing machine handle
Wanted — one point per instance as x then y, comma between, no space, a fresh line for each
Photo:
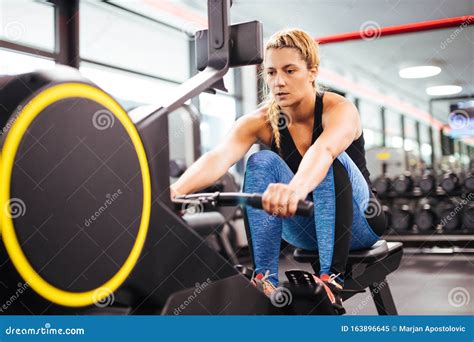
305,208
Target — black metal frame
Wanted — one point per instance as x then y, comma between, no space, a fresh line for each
374,278
27,49
66,19
174,256
369,273
67,40
67,52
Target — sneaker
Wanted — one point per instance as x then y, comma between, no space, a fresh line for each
262,283
328,290
335,288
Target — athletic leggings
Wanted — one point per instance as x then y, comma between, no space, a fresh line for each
346,215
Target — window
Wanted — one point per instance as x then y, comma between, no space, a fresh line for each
371,123
217,117
115,37
426,148
370,115
12,63
393,124
27,22
395,141
410,144
393,129
128,86
372,138
410,128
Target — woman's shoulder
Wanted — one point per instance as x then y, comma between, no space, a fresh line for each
331,99
258,117
257,121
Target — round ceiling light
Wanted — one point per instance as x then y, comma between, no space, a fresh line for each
443,90
419,71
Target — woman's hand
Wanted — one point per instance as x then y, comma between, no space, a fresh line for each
174,193
281,199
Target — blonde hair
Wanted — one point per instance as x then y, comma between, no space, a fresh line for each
309,51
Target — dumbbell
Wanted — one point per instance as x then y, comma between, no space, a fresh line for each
450,215
427,183
450,182
382,184
468,217
401,218
426,218
403,184
469,182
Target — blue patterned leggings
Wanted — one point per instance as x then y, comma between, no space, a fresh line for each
343,209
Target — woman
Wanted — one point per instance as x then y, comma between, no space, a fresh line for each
317,152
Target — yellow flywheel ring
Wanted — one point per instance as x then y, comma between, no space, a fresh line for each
29,112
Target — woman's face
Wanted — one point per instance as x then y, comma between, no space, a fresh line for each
288,76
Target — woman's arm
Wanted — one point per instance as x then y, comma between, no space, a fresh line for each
214,164
341,127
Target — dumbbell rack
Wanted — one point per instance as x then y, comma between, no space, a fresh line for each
437,240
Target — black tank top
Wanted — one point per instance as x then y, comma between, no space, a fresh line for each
292,156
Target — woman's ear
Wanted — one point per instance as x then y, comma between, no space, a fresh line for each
314,74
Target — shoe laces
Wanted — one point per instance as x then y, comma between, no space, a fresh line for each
334,276
265,277
332,280
262,283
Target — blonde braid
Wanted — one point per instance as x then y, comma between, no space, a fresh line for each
273,113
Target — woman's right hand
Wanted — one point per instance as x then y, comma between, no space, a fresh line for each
173,193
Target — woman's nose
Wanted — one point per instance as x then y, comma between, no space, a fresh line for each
279,80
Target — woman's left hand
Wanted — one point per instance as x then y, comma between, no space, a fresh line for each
281,200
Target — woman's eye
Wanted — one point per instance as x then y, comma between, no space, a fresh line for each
290,71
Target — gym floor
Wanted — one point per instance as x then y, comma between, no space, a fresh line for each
421,286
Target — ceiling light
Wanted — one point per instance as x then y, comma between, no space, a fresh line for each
443,90
419,71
